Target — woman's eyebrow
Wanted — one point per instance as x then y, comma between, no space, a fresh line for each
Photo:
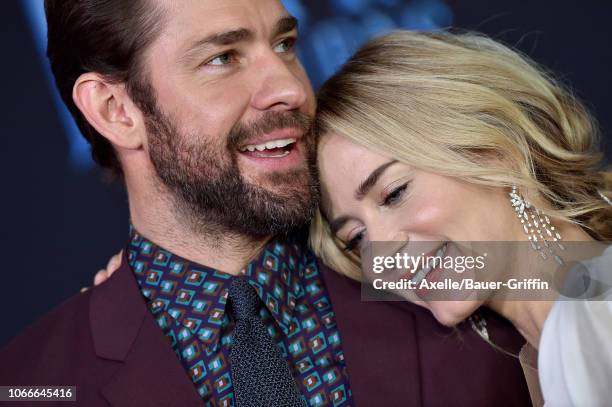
371,180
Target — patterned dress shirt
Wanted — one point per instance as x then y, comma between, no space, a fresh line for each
188,302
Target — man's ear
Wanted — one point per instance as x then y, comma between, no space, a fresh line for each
109,109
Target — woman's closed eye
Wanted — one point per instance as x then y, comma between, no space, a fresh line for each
395,195
355,241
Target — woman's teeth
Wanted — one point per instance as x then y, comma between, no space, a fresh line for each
270,145
422,273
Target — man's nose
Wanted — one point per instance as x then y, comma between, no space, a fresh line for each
278,87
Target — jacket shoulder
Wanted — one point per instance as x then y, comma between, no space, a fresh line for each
50,347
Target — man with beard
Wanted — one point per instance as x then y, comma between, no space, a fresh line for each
203,109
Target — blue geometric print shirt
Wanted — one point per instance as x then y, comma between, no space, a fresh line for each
188,302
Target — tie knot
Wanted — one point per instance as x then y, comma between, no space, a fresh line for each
245,300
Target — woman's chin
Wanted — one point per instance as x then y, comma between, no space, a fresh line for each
452,313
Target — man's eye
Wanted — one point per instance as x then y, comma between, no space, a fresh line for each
223,59
395,195
284,46
354,242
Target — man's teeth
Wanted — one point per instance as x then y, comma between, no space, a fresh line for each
270,145
422,273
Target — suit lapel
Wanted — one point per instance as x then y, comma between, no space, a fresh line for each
151,375
380,345
123,330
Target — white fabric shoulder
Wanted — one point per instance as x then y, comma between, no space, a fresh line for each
575,350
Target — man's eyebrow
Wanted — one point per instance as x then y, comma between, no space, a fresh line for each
221,39
372,179
284,25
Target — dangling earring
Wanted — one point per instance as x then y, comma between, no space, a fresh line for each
535,224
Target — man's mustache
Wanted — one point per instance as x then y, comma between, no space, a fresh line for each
267,123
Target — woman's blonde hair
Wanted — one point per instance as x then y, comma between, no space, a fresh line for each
448,103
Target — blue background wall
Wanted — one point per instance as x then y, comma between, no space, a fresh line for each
63,219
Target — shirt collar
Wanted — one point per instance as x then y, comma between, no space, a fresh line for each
196,295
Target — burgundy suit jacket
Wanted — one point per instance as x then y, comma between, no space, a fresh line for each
106,343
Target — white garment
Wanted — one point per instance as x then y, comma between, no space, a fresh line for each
575,350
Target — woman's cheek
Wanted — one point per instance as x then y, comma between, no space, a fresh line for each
425,218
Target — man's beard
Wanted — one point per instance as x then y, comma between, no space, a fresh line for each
211,192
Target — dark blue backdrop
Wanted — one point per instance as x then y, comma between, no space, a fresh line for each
63,220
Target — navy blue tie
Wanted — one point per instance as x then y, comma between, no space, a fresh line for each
259,371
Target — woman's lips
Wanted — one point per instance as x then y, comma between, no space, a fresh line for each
420,274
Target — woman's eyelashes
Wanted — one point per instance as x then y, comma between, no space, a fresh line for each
354,242
395,195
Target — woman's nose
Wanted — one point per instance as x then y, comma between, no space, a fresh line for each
386,233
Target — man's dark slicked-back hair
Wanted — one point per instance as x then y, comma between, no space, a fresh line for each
107,37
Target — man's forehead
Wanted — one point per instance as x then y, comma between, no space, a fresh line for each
191,18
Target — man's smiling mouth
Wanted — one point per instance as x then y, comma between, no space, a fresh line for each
271,149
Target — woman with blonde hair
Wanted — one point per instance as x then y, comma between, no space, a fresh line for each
457,138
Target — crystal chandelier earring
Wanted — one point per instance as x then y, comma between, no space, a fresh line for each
536,224
533,222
